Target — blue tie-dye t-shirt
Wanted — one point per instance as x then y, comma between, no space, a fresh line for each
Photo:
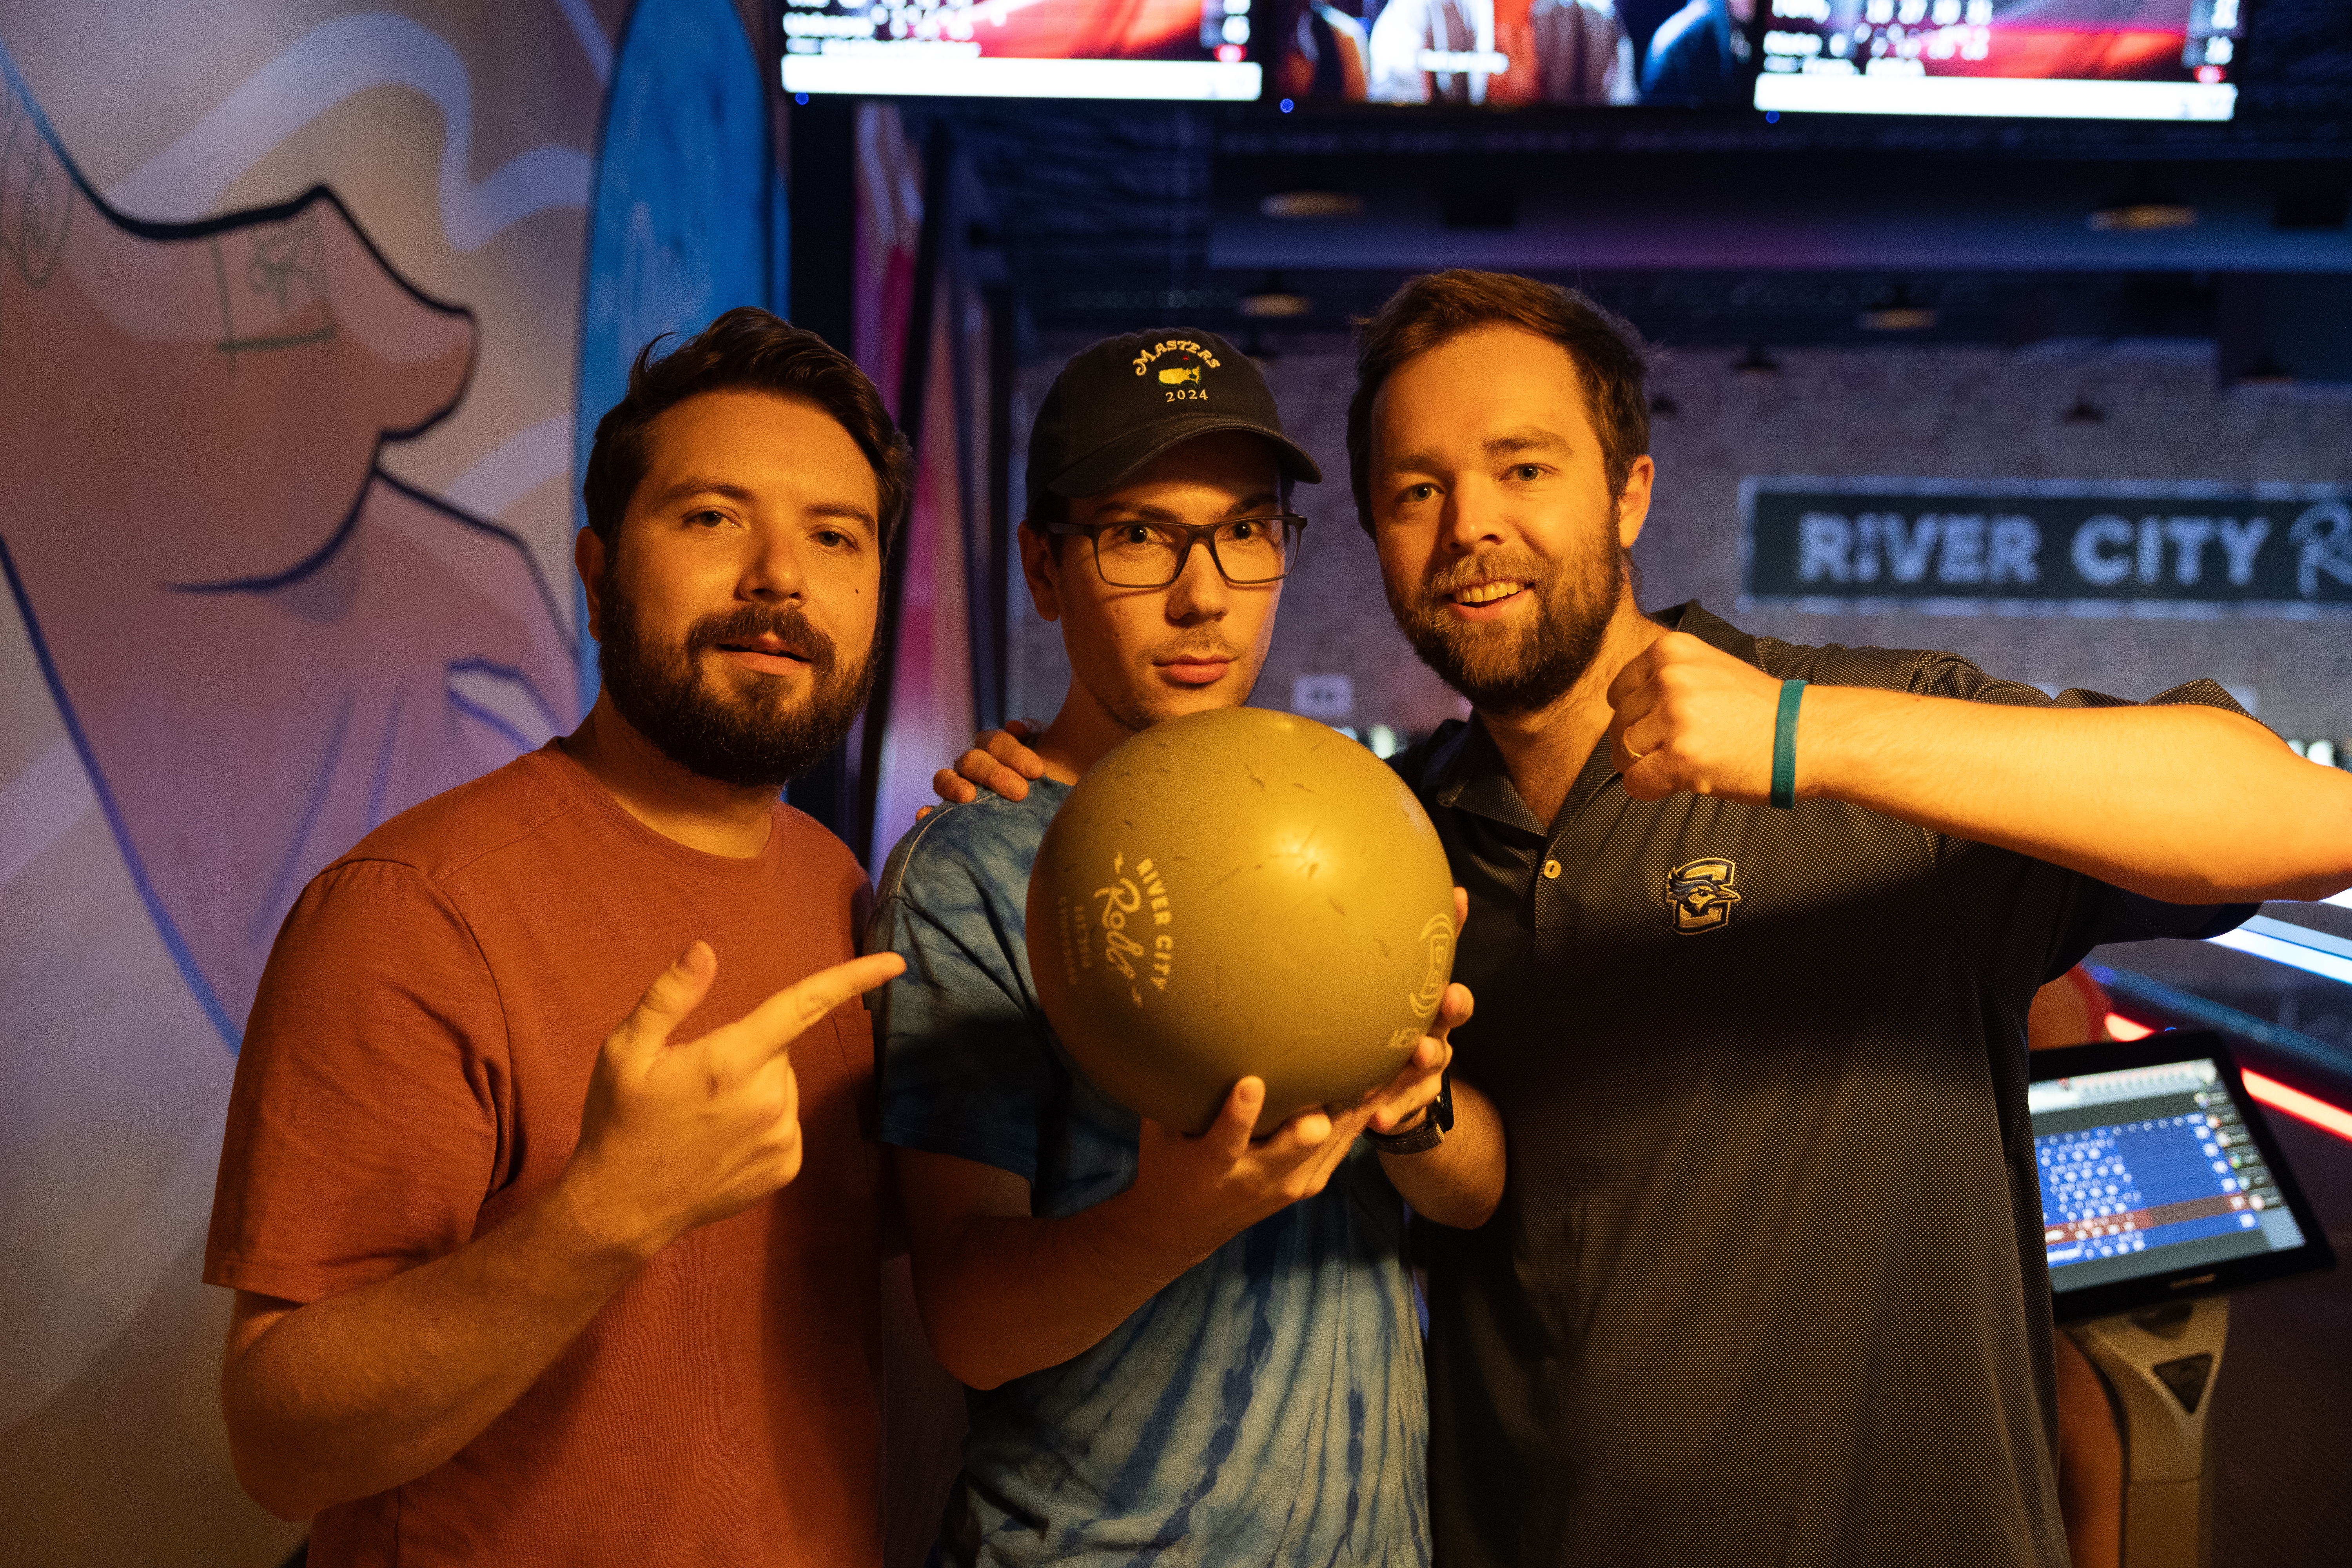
1266,1406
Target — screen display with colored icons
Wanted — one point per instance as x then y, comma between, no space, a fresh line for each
2072,59
2157,1178
1133,49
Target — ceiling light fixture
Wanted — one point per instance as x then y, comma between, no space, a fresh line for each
1311,203
2265,371
1897,311
1272,300
2084,412
1757,363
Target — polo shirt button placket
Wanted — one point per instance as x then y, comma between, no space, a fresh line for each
1554,904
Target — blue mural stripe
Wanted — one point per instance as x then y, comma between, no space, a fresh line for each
508,672
458,700
383,757
498,532
266,913
174,942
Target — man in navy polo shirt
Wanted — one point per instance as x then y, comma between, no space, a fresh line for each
1754,927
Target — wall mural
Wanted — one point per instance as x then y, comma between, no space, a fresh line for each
291,359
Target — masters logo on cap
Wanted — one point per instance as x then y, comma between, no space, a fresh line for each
1121,402
1178,363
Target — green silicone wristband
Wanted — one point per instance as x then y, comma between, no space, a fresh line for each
1784,745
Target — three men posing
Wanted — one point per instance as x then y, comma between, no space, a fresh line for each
1756,1285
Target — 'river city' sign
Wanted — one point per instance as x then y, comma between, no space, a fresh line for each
2047,546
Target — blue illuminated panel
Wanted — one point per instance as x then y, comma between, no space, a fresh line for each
2148,1169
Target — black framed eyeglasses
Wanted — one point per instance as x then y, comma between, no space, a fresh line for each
1246,551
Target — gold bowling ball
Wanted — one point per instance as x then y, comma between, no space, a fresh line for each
1240,892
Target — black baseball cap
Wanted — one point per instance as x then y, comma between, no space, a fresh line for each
1122,402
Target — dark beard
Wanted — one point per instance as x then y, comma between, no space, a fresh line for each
1505,673
740,738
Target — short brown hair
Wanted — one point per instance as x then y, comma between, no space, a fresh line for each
1432,310
746,350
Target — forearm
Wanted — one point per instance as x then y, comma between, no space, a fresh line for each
352,1395
1003,1296
1460,1181
2182,803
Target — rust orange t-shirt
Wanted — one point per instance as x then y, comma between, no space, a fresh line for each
413,1074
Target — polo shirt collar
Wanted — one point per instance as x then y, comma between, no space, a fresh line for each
1466,772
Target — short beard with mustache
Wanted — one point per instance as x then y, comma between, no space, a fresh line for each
741,738
1505,672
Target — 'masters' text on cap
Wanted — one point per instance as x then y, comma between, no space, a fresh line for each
1122,402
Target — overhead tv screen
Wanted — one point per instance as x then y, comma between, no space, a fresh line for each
1023,48
2075,59
1508,53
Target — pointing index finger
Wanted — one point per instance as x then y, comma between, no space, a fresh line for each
776,1023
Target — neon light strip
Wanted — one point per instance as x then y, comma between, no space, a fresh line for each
2297,1104
882,71
2044,98
2294,955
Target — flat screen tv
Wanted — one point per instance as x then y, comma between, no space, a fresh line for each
1507,53
2074,59
1131,49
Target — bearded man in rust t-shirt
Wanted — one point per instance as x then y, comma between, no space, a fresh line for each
506,1293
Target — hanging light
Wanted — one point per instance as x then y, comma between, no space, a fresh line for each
2084,412
1897,310
2142,214
1273,299
1756,364
2265,371
1311,203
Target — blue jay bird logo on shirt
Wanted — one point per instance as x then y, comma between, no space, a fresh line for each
1701,895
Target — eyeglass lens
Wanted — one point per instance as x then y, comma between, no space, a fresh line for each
1150,555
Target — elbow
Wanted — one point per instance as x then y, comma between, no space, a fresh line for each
964,1353
1471,1210
270,1463
269,1481
977,1376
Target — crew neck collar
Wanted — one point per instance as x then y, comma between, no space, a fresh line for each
579,789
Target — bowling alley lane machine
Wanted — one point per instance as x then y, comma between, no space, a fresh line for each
2162,1190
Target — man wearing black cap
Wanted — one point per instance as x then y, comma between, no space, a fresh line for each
1192,1350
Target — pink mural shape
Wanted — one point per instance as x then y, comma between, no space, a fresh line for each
261,643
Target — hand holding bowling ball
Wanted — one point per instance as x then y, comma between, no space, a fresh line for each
1234,894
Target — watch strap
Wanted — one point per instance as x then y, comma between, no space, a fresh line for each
1436,1123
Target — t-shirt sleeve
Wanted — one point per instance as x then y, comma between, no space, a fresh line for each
962,1067
370,1117
2083,912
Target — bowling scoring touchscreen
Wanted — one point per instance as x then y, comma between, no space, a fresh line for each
2151,1169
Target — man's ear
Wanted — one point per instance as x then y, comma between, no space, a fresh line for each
588,560
1633,502
1041,571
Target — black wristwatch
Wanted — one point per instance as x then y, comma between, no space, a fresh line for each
1434,1125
